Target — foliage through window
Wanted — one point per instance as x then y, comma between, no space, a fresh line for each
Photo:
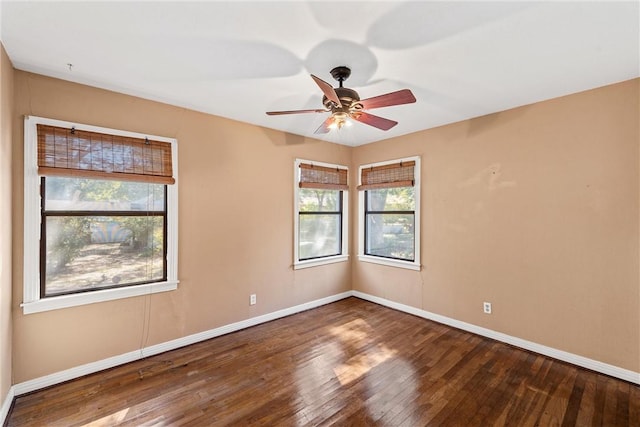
320,223
389,201
320,210
100,234
390,223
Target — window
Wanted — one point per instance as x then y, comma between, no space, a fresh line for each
320,213
99,234
320,223
390,221
100,214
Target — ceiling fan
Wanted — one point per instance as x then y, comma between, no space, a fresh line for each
344,103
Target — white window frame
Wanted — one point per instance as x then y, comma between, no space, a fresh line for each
344,256
411,265
32,302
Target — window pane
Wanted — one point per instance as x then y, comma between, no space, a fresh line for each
391,235
81,194
312,200
85,253
319,236
391,199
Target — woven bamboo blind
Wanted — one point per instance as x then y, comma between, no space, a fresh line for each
388,176
321,177
78,153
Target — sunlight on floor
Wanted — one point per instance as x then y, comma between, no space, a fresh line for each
352,331
311,376
351,357
109,420
361,364
356,334
398,394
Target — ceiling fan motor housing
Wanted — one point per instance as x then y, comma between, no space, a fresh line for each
348,98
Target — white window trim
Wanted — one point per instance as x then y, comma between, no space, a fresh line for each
411,265
344,256
32,303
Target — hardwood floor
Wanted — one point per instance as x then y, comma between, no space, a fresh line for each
347,363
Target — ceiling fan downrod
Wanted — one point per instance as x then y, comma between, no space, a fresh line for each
341,73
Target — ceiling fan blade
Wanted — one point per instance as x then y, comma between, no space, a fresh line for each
327,89
400,97
324,127
277,113
375,121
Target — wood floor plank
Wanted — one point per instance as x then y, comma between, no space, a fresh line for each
350,363
634,407
573,404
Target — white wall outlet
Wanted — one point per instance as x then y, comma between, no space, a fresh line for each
252,299
486,306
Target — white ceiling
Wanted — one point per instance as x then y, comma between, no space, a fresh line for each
240,59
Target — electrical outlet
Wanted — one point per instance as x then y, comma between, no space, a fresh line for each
252,299
487,307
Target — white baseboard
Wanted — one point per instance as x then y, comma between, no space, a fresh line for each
6,404
594,365
89,368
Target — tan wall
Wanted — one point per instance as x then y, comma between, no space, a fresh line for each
6,111
235,230
535,210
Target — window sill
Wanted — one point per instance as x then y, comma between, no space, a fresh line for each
409,265
66,301
320,261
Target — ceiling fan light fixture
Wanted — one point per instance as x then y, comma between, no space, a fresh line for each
340,119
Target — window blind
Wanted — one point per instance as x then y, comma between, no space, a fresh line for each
85,154
320,177
387,176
